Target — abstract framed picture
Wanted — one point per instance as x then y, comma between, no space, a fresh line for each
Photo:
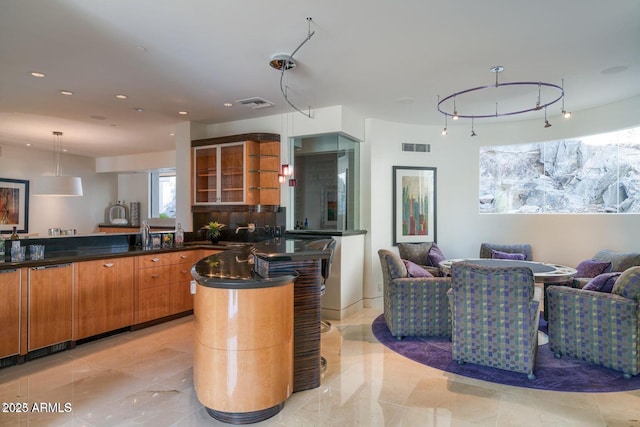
414,204
14,205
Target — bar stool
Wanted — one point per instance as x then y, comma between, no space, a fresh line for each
326,245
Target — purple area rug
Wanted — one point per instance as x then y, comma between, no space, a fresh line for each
565,374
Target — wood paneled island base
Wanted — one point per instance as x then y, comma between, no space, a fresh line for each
243,351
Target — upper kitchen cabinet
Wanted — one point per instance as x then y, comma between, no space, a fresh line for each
236,170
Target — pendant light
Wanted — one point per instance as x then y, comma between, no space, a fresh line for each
58,184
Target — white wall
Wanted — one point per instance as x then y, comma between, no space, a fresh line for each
82,213
564,239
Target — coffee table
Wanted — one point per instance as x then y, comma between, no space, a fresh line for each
548,274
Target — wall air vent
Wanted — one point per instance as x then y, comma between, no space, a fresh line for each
418,148
255,103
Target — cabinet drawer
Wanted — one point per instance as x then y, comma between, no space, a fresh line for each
155,260
154,277
187,257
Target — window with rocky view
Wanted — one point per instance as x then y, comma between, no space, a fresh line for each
593,174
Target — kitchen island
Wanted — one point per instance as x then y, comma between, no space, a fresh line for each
275,258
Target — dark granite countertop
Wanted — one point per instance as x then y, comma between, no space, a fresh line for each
337,233
75,249
89,254
234,267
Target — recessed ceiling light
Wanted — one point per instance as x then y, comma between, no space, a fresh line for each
66,92
405,100
183,113
36,74
614,70
228,104
28,144
138,109
172,134
121,96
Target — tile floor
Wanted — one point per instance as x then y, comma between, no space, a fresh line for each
145,378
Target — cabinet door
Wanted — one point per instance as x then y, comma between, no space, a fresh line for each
181,298
9,312
232,185
205,180
219,174
50,305
153,303
104,296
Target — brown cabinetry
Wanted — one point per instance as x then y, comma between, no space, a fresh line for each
50,318
263,167
103,296
163,284
236,173
219,174
10,295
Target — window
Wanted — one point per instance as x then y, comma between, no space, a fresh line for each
326,169
593,174
163,194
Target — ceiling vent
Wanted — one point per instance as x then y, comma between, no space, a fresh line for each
418,148
255,103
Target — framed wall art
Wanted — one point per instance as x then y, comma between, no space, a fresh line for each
414,204
14,205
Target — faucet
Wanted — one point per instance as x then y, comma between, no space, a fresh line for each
251,227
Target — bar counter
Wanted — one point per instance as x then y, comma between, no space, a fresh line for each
255,264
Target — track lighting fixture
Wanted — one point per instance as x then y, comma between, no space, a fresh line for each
546,94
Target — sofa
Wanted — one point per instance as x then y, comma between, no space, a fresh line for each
598,326
604,261
413,306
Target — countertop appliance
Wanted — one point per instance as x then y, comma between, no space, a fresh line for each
118,214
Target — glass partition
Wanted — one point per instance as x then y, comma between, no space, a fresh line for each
327,191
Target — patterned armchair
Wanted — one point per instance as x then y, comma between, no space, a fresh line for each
520,248
413,306
598,327
495,312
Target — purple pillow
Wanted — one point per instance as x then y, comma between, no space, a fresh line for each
591,268
602,282
435,256
414,270
506,255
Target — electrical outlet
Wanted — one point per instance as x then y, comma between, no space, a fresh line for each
379,287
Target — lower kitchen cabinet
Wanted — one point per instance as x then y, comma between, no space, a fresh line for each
163,284
50,318
103,296
10,295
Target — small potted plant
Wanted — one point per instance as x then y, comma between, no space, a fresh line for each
213,231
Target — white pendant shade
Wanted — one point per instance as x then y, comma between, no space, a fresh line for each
59,185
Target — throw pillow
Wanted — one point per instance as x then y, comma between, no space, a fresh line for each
506,255
602,282
417,253
435,256
414,270
592,268
628,284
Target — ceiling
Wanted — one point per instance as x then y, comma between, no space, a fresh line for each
384,59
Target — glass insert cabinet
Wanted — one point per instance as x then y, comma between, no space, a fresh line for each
232,173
